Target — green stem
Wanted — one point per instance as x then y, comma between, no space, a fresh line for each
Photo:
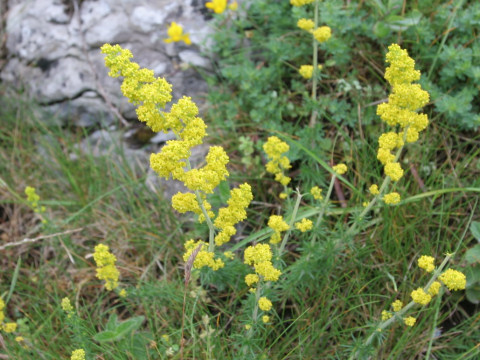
324,207
290,225
313,118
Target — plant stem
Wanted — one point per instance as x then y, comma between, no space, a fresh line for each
290,225
313,118
324,207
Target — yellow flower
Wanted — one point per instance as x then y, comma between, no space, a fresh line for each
251,279
340,169
322,34
386,315
374,189
427,263
218,6
275,148
392,198
248,327
306,24
316,193
19,338
409,321
233,6
453,279
264,304
106,269
394,170
283,196
434,288
420,296
260,256
304,225
66,305
307,71
397,305
122,293
278,225
175,34
78,354
10,327
204,257
300,2
265,319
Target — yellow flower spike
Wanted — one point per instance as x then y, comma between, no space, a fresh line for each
427,263
106,269
409,321
267,271
175,34
257,253
218,6
453,280
264,304
316,192
322,34
66,305
391,198
420,296
203,258
304,225
78,354
275,148
278,225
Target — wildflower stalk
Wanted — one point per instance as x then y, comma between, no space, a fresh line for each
313,118
324,207
400,313
352,229
290,225
258,292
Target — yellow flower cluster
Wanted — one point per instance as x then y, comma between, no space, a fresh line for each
218,6
386,315
305,24
275,148
175,34
78,354
260,256
278,225
106,269
434,288
427,263
151,95
306,71
300,2
420,296
392,198
374,189
304,225
400,110
453,279
7,327
340,169
204,257
66,305
397,305
235,212
409,321
322,34
264,304
316,192
33,199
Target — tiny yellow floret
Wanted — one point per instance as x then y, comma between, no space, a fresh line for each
386,315
374,189
394,170
316,192
409,321
306,71
218,6
66,305
300,2
265,319
9,327
453,279
251,279
106,269
306,24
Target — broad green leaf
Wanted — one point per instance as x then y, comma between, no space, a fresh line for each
473,294
106,336
472,255
475,229
129,325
